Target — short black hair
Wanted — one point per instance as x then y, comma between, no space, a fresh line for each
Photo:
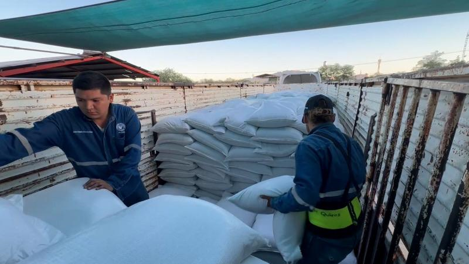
91,80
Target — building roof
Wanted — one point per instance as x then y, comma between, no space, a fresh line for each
67,67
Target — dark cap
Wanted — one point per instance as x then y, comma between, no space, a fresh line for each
320,102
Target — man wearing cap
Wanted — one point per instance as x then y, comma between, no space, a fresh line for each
330,171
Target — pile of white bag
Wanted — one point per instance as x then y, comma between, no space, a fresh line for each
229,147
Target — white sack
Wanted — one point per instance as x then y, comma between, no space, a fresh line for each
172,148
276,150
71,208
210,141
283,135
173,124
238,140
243,215
180,139
155,230
272,114
246,154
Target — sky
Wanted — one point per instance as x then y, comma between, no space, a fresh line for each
393,42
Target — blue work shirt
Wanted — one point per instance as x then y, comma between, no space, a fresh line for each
321,171
112,154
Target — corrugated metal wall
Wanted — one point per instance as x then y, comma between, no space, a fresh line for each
459,156
22,102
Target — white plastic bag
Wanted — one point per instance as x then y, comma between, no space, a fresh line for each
172,148
173,124
203,161
243,215
211,176
239,186
244,176
175,165
236,121
251,167
272,114
215,186
71,208
235,139
208,121
287,162
22,236
249,199
283,135
206,152
176,173
202,193
298,125
184,181
276,150
173,158
210,141
288,234
197,232
246,154
171,190
264,224
180,139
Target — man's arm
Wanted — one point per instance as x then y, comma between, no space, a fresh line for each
23,142
308,180
127,167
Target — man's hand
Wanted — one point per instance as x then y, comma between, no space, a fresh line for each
97,184
265,197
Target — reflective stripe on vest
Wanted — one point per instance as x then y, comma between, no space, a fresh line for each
334,219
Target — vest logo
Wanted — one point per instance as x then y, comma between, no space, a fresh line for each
330,214
120,127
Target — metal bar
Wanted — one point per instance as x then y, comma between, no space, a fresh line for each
399,165
46,51
412,179
455,87
388,163
371,126
46,66
370,174
455,222
155,135
438,170
368,227
358,109
132,68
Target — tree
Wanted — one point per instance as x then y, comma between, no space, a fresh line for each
169,75
336,72
432,61
457,62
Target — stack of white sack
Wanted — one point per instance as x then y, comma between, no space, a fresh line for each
229,147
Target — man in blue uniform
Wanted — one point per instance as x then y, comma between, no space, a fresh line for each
330,171
101,140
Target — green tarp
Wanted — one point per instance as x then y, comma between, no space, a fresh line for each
144,23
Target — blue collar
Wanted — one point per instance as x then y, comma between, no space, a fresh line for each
321,126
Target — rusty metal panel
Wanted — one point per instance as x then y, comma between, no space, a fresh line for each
371,101
455,167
